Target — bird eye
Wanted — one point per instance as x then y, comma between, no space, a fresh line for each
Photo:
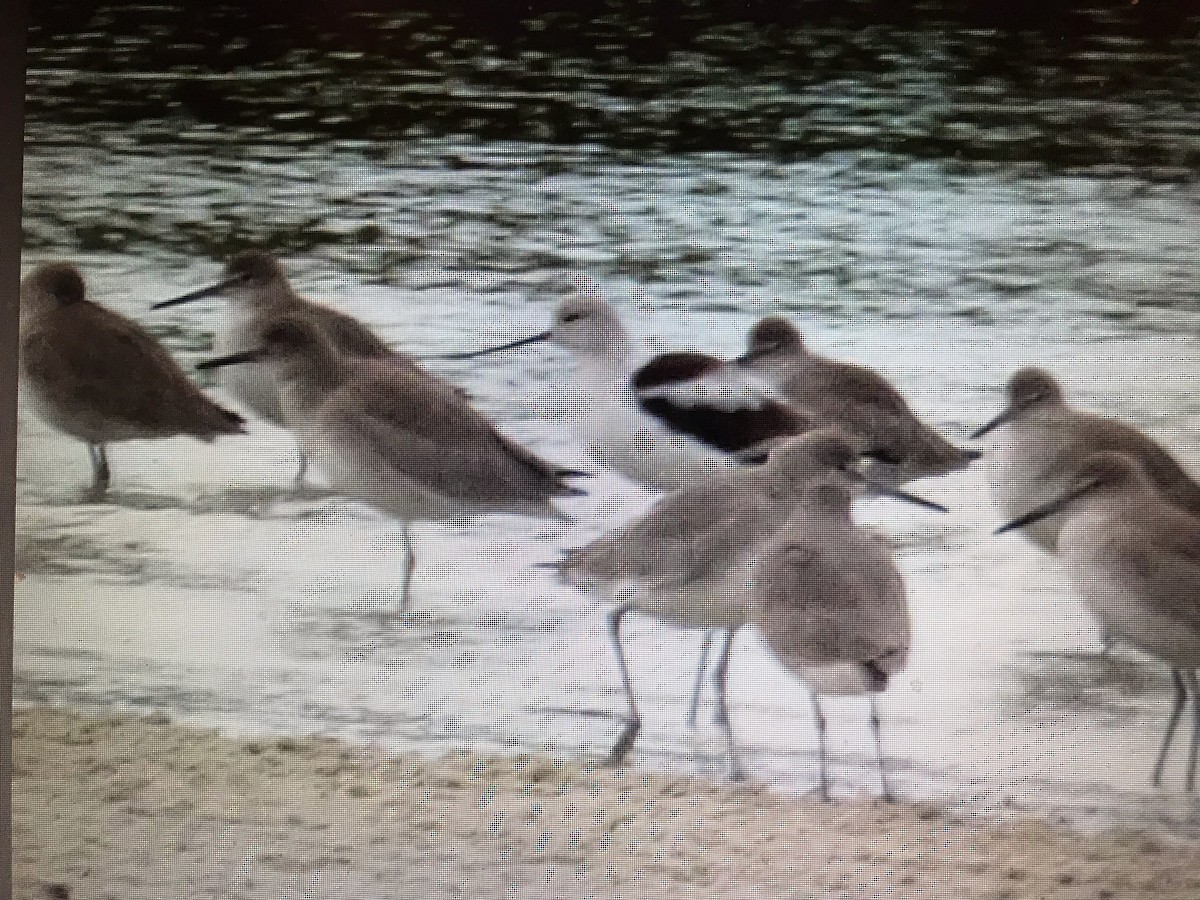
572,317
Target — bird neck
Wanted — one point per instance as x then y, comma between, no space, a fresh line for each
36,304
829,499
273,295
612,362
305,382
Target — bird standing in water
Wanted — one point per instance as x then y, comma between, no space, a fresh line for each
259,295
100,377
1134,558
398,438
688,560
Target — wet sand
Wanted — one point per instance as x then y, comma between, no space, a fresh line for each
127,807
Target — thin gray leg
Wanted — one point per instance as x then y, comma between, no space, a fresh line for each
298,481
1180,697
100,472
1191,772
819,716
410,563
877,731
721,679
698,684
633,720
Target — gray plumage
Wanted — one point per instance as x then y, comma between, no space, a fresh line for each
1134,557
398,438
1041,441
259,296
687,561
856,399
830,603
100,377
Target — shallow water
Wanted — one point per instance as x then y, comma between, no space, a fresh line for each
202,587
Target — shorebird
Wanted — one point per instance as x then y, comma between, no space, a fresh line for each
897,445
100,377
687,560
856,399
1134,557
660,420
397,438
1041,442
259,295
830,603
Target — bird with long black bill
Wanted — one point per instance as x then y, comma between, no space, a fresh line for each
665,419
1040,441
687,561
662,420
1134,557
398,439
259,295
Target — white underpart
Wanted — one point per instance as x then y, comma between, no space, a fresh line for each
621,436
726,389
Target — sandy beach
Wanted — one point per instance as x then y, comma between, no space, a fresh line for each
126,807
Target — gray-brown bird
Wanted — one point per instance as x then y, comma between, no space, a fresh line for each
259,295
1134,558
1041,441
687,560
398,438
100,377
853,398
830,603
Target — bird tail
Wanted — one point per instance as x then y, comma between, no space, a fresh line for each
222,421
235,422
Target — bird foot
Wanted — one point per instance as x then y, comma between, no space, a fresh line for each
623,743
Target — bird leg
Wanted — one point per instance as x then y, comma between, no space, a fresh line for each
410,563
819,715
698,684
876,730
1176,710
1191,772
633,721
100,471
298,481
721,679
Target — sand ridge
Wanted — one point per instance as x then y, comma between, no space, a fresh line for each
128,807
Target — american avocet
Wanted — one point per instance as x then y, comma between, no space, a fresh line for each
662,420
856,399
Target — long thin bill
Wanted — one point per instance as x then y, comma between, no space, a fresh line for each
992,425
888,491
198,294
233,359
511,345
1045,510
